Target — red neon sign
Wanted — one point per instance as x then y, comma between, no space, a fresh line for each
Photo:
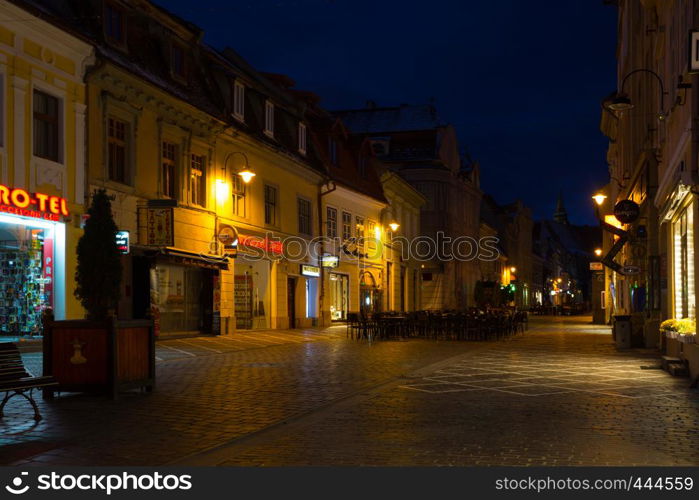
262,243
17,201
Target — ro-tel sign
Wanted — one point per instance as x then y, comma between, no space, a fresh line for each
122,242
17,201
308,270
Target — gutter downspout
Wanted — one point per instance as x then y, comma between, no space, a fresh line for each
331,187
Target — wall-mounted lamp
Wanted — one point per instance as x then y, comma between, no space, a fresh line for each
394,226
599,198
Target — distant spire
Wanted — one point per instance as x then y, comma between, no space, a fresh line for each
560,215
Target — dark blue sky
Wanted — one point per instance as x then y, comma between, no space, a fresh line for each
520,80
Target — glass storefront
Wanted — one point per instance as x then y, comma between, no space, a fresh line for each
339,296
252,293
28,267
369,294
683,264
183,297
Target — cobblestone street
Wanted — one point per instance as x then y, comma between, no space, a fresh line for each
558,395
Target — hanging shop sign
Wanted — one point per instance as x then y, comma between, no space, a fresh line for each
596,266
308,270
330,261
17,201
159,227
123,242
693,52
627,211
631,270
265,244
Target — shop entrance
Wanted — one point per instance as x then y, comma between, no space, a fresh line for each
291,301
369,294
252,293
339,296
29,273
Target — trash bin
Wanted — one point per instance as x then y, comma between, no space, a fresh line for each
622,331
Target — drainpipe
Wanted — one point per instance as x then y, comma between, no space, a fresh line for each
331,186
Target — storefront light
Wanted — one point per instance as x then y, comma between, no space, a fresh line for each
9,219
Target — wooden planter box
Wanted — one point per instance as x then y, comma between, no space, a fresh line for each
101,357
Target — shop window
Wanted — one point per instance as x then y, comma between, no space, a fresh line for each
47,130
114,24
169,171
197,180
269,119
346,226
238,196
302,138
270,205
239,101
117,150
684,289
304,213
331,222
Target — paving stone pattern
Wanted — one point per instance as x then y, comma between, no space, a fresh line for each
558,395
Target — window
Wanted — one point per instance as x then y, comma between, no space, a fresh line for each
269,119
169,162
362,166
371,236
238,196
46,126
346,226
331,222
197,180
114,24
359,227
683,246
302,138
304,208
270,204
117,133
177,62
239,101
332,150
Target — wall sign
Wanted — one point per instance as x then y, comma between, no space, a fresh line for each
160,231
265,244
17,201
312,271
693,52
330,261
596,266
627,211
123,242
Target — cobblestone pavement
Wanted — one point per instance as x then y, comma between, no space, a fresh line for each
558,395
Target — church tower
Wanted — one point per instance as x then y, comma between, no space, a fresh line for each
560,215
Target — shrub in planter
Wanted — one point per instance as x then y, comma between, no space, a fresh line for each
98,275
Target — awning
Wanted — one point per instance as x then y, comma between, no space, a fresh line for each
186,257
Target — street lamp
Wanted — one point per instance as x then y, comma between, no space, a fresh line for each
513,269
622,102
394,226
246,173
598,252
599,198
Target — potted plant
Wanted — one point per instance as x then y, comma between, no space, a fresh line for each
99,353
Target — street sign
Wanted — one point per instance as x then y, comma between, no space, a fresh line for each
626,211
631,270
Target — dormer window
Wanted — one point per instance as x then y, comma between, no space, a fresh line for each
239,101
332,150
269,118
114,24
302,138
177,62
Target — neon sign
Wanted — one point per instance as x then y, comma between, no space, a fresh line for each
17,201
264,244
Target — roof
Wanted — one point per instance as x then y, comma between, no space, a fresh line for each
403,118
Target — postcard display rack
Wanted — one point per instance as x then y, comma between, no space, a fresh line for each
22,292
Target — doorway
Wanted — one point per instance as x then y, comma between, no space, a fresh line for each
291,301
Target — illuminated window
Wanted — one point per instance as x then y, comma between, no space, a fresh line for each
169,170
197,180
683,265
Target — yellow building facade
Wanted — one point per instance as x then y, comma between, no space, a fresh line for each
42,165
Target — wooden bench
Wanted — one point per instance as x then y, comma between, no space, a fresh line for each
15,380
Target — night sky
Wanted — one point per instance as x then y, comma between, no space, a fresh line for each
520,80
